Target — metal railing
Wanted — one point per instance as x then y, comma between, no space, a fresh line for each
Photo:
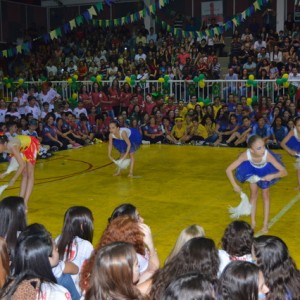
181,89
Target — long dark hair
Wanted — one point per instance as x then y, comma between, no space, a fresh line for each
78,221
239,281
12,220
279,269
197,255
31,261
192,286
112,274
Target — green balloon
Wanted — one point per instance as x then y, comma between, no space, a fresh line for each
200,99
201,77
93,78
196,79
207,101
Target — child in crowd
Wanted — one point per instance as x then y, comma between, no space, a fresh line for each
256,161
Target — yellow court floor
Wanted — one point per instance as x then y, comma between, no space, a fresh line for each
173,187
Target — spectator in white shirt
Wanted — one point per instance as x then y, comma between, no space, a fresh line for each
33,108
79,110
294,77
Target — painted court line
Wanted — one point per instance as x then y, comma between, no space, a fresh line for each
284,210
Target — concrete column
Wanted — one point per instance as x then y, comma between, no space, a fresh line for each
148,21
280,14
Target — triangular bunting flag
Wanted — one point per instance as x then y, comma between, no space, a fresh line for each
58,32
256,5
79,20
53,35
92,11
99,6
87,15
72,24
19,49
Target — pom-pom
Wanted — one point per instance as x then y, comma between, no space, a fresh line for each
243,209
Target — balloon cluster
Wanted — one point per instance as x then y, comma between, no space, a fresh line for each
251,81
283,80
203,102
165,82
252,100
131,80
200,80
8,82
97,79
73,100
72,81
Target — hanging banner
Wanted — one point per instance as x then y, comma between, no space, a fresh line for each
212,10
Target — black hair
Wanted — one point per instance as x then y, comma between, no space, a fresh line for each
125,209
253,139
31,262
239,281
115,122
238,238
192,286
12,220
279,269
78,221
3,138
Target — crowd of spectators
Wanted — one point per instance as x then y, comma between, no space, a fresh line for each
227,120
125,263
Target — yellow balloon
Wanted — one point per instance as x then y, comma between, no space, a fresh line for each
69,80
74,96
201,84
5,78
8,85
161,80
285,75
286,84
251,77
201,104
127,79
249,101
21,81
98,78
75,76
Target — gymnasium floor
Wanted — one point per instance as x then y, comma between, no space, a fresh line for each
173,187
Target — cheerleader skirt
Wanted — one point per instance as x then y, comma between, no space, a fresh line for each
135,140
246,170
31,150
293,144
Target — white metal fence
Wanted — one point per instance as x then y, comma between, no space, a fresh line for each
181,89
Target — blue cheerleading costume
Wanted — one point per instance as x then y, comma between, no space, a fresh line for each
135,139
249,168
294,142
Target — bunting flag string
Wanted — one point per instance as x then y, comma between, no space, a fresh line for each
87,16
236,21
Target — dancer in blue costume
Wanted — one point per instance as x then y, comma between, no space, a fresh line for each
291,144
257,162
126,141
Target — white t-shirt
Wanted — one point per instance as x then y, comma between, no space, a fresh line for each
52,291
77,111
81,250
